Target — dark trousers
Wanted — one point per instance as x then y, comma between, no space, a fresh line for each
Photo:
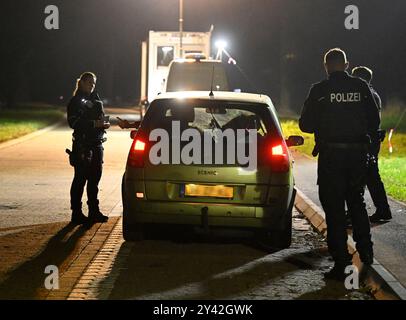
342,177
374,181
89,172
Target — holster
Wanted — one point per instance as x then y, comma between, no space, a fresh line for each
82,156
85,155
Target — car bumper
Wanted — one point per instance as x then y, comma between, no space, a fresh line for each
204,214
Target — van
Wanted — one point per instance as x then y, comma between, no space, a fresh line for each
196,74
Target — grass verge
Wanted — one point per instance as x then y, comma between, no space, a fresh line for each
15,123
392,166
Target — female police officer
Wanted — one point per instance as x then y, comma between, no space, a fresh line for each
86,117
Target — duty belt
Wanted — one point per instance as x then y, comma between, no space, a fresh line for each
93,142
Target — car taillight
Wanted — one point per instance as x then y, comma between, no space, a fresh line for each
136,155
139,145
279,157
277,150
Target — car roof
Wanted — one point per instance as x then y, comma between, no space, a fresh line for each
217,96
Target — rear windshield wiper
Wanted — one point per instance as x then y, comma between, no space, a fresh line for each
216,123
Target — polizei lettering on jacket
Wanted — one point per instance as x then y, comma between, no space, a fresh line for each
342,97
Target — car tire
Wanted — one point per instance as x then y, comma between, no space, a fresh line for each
275,239
279,239
131,232
282,239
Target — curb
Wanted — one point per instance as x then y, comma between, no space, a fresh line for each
384,286
397,201
29,136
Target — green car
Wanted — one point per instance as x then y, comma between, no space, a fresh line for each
210,160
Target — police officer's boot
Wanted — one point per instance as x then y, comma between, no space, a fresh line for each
381,215
366,254
94,213
367,257
337,272
77,216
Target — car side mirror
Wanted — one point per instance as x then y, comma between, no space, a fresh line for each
133,133
295,141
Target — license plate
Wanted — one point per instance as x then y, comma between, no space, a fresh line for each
198,190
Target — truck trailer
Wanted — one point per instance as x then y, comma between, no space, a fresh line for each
160,49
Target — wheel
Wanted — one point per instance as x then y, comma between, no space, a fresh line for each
274,239
131,232
279,239
282,238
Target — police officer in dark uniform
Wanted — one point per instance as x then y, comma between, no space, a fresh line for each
86,117
374,182
341,112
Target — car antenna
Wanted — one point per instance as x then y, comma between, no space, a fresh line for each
211,94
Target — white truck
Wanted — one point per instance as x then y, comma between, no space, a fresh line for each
160,49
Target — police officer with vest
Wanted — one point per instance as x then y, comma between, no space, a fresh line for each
374,182
86,117
342,114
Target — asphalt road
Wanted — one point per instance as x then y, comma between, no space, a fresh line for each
36,176
389,238
222,265
35,210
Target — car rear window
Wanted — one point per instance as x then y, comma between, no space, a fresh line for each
209,115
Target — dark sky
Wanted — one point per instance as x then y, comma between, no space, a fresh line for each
104,36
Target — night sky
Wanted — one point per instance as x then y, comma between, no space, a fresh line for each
104,36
